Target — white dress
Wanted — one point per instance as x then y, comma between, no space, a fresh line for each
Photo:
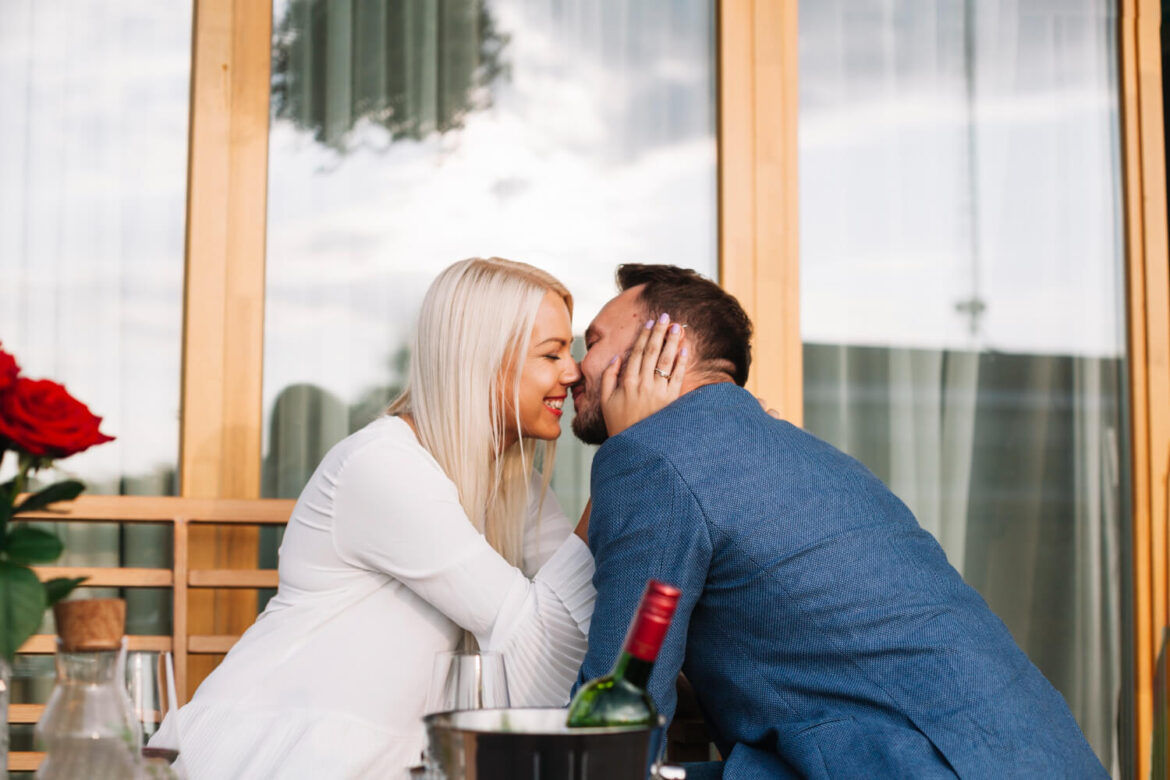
379,571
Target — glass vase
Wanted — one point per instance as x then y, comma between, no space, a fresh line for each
88,729
5,684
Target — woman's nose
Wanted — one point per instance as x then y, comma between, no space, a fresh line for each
572,374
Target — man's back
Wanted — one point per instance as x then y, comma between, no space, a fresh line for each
822,629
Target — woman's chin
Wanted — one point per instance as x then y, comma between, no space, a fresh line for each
544,434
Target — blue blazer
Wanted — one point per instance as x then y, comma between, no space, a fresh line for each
822,629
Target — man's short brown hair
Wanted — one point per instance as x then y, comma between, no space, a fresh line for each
718,326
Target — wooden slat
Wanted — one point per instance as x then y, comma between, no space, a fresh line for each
233,578
758,216
46,644
164,509
25,713
183,687
108,577
24,762
205,643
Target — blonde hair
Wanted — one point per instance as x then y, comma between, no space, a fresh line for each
473,330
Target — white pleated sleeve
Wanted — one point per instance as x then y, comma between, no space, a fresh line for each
397,513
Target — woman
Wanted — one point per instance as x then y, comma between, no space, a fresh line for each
426,525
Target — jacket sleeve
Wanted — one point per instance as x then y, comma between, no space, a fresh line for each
645,525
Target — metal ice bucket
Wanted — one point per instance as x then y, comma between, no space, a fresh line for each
533,744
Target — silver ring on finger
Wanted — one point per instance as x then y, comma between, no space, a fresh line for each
662,373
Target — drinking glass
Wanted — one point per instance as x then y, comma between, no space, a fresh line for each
468,681
150,683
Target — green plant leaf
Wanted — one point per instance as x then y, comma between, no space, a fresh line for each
7,498
22,605
26,544
58,491
60,587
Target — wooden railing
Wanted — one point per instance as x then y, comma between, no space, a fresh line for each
181,514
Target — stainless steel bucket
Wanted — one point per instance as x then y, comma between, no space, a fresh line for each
532,744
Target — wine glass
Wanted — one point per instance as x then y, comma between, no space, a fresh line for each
468,681
150,684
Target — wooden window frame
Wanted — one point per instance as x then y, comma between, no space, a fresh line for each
1148,299
758,261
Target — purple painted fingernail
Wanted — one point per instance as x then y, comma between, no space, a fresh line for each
675,329
664,318
684,351
649,324
613,359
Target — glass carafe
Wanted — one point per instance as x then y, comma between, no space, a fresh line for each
88,729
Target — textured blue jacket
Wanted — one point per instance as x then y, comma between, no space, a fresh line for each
823,630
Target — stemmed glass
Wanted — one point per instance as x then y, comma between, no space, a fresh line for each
468,681
150,684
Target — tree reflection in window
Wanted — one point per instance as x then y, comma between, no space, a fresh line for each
412,67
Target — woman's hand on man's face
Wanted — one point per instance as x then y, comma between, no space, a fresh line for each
653,375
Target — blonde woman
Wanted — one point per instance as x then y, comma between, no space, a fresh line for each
427,525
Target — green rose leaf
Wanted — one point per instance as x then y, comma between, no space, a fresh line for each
7,497
58,491
26,544
22,605
60,587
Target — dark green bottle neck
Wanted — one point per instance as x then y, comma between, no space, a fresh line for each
633,670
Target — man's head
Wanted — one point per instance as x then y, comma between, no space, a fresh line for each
718,334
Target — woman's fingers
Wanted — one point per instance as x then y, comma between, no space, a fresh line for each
680,370
609,377
664,365
771,412
634,362
652,352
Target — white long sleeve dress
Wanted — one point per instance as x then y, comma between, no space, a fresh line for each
379,571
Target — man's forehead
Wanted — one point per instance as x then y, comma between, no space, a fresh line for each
618,313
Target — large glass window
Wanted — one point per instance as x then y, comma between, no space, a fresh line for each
93,175
963,303
407,135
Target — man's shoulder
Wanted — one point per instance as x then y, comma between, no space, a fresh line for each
721,420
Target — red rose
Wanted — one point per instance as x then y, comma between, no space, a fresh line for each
8,370
41,418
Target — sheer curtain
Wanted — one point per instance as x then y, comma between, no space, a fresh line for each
962,303
93,160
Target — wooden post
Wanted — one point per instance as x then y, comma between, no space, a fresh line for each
1148,286
224,306
759,248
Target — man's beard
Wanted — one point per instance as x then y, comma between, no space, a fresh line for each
588,421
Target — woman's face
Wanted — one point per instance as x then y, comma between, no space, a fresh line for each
546,372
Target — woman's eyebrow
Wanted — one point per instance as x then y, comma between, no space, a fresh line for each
557,339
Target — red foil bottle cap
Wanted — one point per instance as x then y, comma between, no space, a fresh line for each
652,620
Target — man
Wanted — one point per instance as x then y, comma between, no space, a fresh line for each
822,629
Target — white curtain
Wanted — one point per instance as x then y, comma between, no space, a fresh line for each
93,157
962,300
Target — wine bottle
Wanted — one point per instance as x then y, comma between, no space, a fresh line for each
620,697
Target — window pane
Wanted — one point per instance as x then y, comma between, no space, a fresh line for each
93,175
962,301
93,178
408,135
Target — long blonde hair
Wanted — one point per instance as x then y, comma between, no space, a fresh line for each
475,324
